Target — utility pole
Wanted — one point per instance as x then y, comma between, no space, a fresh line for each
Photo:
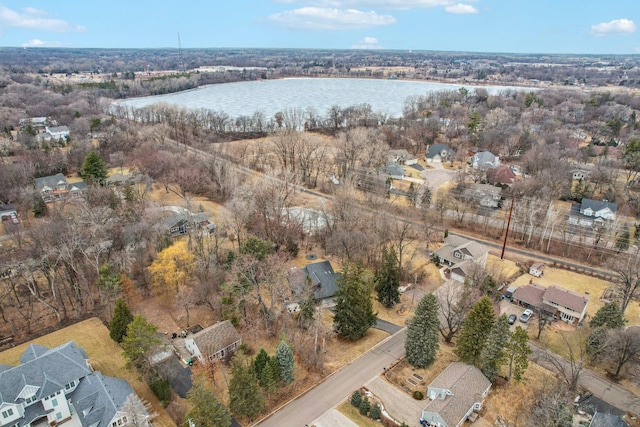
506,233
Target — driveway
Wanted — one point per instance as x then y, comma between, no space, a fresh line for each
397,403
436,177
178,375
333,418
383,325
508,308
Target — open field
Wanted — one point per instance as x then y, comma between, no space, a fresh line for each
105,356
591,286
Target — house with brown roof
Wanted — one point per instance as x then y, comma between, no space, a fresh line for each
215,342
455,394
559,302
501,175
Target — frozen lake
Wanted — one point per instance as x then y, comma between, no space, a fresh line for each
272,96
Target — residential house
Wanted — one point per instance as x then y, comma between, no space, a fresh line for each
484,160
602,419
462,256
402,157
55,187
37,123
455,394
589,213
501,175
311,220
8,212
437,153
579,174
56,133
394,170
178,224
215,342
536,269
556,301
488,196
118,179
319,275
57,385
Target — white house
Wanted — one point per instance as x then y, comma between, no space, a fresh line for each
537,269
57,133
592,212
439,153
58,385
215,342
462,256
484,160
455,394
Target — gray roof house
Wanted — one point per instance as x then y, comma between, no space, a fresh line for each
592,212
484,160
402,157
439,153
462,256
215,342
55,187
455,394
321,277
394,170
485,195
49,384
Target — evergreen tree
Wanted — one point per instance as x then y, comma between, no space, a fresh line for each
40,208
307,309
140,339
610,316
387,279
623,240
425,198
261,360
412,195
245,398
94,169
121,318
475,329
269,380
356,398
517,353
422,342
354,313
206,410
284,356
365,406
493,356
376,412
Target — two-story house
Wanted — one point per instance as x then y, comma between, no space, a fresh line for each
485,195
50,385
589,213
484,160
402,157
462,256
555,301
215,342
455,394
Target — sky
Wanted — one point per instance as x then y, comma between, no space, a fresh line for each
508,26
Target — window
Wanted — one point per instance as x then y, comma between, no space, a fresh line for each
120,422
58,415
30,399
113,424
70,385
54,402
124,419
7,413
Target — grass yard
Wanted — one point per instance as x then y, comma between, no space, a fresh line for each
104,354
502,268
353,414
580,283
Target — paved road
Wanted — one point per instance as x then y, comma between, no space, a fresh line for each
595,383
339,385
383,325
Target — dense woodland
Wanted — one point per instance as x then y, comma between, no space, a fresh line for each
68,260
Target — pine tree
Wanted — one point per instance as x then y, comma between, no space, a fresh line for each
261,360
206,410
245,398
412,195
387,279
307,309
475,329
422,341
493,356
121,318
354,313
94,169
284,356
356,398
40,208
610,316
140,339
376,412
517,352
269,380
365,406
623,240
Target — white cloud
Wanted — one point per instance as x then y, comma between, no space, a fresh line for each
41,43
617,26
367,43
461,9
35,19
382,4
319,18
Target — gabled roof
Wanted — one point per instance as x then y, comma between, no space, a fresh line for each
601,419
437,150
466,383
394,169
530,294
501,174
474,248
58,129
49,181
7,207
566,298
98,399
216,337
484,157
463,268
49,370
322,273
597,205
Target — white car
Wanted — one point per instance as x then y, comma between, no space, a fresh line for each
526,315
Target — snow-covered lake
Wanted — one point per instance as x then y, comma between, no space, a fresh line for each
272,96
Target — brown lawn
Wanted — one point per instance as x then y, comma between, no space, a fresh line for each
353,414
104,355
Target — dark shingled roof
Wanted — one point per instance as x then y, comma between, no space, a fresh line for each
597,205
216,337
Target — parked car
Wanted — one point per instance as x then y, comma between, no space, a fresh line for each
512,319
526,315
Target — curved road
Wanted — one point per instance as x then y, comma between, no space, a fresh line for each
339,385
